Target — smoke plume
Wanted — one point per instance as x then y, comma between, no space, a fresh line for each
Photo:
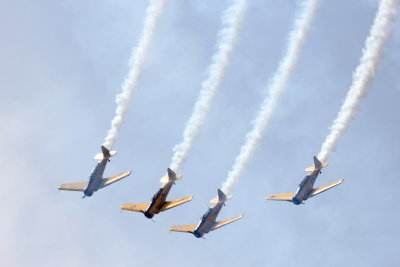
228,35
137,60
276,87
380,32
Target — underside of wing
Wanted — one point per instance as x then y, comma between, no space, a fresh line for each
184,228
282,196
115,178
321,189
172,204
79,186
226,222
139,207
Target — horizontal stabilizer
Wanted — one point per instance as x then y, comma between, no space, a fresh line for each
105,153
324,188
79,186
183,228
215,200
312,168
138,207
172,204
115,178
281,196
172,176
226,222
221,197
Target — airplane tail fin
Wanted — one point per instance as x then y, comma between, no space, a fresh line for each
105,154
220,198
317,165
172,176
221,195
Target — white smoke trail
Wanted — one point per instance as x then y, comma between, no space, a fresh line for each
374,46
228,35
275,88
137,60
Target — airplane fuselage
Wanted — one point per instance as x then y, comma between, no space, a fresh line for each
96,178
158,200
208,220
305,187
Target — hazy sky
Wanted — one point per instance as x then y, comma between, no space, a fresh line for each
63,62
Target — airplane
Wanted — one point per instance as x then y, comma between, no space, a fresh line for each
96,180
158,201
208,220
305,189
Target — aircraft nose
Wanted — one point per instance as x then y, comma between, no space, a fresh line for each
197,234
148,215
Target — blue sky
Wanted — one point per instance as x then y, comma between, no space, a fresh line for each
63,63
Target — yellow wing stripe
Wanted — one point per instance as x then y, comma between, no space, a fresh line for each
138,207
325,187
79,186
226,222
281,197
115,178
172,204
183,228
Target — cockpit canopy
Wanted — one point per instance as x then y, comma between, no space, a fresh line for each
156,194
206,214
304,181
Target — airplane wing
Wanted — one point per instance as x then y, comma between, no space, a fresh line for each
138,207
282,196
226,222
115,178
79,186
321,189
184,228
172,204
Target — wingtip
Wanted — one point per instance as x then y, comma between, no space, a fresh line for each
125,206
269,197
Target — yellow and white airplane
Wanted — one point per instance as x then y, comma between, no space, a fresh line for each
96,180
208,220
306,190
158,201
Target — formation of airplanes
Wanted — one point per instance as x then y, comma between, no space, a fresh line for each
159,201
